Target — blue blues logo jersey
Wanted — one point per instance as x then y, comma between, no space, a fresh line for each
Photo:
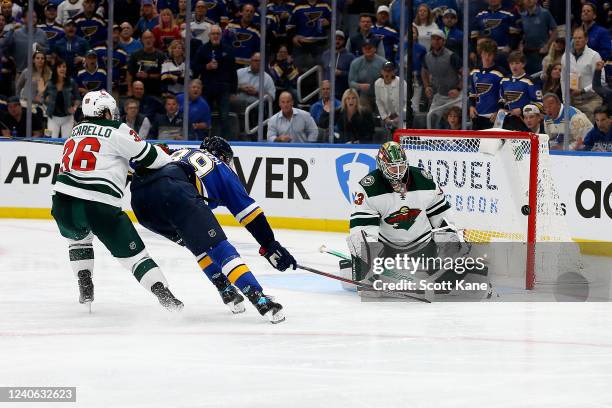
306,21
215,181
92,81
245,41
390,39
92,29
518,92
55,32
271,23
282,12
484,89
497,25
216,11
120,58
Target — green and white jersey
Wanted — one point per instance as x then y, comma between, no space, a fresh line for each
96,157
402,221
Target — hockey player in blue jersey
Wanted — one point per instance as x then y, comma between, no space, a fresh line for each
176,202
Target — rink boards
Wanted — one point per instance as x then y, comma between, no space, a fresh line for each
305,186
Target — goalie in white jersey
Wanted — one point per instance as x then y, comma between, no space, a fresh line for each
88,192
402,208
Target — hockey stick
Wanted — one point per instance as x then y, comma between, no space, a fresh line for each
33,140
361,284
325,250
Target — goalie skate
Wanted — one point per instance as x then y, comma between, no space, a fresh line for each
267,307
166,298
233,299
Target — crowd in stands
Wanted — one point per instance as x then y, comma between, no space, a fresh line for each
516,59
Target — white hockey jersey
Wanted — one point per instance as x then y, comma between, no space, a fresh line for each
96,158
403,221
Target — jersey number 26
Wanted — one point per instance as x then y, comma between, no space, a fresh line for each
83,158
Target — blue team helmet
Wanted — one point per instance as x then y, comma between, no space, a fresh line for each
218,147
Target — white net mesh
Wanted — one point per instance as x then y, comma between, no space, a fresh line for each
486,181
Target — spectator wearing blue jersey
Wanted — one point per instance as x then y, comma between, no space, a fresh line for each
365,33
498,24
517,90
539,32
387,34
126,41
340,66
599,139
217,12
199,111
599,37
149,19
485,87
91,25
308,25
454,36
281,10
244,35
55,31
283,71
91,77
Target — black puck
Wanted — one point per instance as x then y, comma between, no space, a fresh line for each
525,210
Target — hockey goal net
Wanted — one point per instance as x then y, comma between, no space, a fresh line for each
502,189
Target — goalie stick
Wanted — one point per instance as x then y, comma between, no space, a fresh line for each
325,250
362,284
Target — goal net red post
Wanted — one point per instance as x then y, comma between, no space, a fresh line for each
503,192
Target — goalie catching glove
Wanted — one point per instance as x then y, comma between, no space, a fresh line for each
278,256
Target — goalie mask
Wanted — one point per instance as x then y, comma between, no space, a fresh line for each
97,103
391,160
219,148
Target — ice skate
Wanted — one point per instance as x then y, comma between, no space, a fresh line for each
86,288
266,307
233,299
166,298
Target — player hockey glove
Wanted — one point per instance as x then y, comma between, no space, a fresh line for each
278,256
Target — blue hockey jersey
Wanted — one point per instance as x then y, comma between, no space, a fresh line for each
93,29
306,21
92,81
484,89
390,38
215,181
497,25
55,32
245,41
518,92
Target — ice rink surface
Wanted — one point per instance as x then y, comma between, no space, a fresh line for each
332,351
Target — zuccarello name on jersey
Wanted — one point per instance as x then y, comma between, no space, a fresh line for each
91,130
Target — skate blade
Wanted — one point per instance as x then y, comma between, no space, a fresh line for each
275,318
87,304
236,308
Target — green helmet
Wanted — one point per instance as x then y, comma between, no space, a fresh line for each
391,160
